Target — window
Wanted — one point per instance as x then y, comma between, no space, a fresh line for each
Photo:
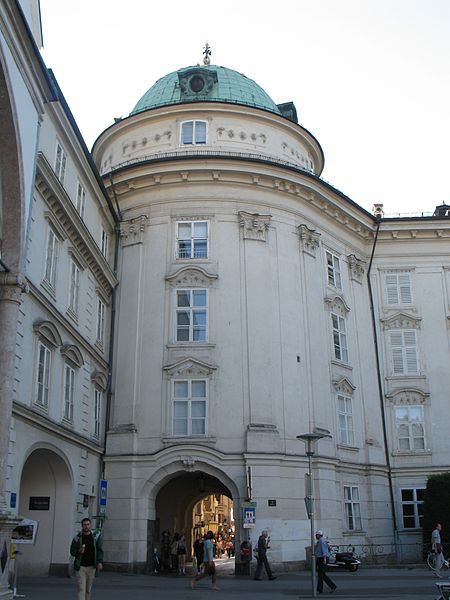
98,397
404,352
345,417
69,384
189,407
81,200
412,507
193,132
104,243
43,374
352,507
192,239
409,422
60,162
100,328
398,288
51,258
74,287
191,315
334,270
339,338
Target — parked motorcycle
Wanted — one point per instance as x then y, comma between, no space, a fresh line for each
342,560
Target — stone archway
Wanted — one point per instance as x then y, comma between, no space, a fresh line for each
46,496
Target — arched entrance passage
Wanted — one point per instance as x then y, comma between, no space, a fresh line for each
46,496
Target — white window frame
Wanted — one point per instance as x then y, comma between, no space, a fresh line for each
410,432
69,392
334,272
74,287
398,288
60,162
352,505
98,401
195,140
51,258
100,324
189,249
340,349
404,352
192,309
43,372
417,507
104,243
189,400
345,419
80,200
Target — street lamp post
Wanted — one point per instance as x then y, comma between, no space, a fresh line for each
310,439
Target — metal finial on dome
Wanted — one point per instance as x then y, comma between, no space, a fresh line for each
207,54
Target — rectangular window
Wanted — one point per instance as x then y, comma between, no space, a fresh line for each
191,315
404,352
43,375
51,258
104,243
412,507
98,396
60,162
339,338
345,417
81,200
74,287
409,422
334,270
192,239
189,407
193,132
69,385
398,288
100,328
352,507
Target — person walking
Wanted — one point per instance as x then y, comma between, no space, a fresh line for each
87,549
198,551
436,546
261,557
181,553
209,567
321,552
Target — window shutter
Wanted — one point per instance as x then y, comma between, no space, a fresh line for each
397,352
404,283
409,336
391,289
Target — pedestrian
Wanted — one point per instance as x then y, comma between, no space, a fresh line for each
198,551
86,547
261,557
321,552
436,546
208,560
174,552
181,553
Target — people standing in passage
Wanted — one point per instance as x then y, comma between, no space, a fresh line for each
198,551
209,567
261,557
165,550
174,552
436,546
181,553
321,552
86,547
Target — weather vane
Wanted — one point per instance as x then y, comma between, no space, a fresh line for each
206,54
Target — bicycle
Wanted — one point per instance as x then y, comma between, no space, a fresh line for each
432,561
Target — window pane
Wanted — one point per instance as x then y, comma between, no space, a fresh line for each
199,317
199,389
201,229
187,132
180,410
183,318
183,298
199,297
199,335
408,509
419,496
198,408
180,389
407,495
409,522
184,249
180,427
200,132
200,248
184,230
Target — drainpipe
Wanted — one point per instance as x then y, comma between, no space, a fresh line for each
380,388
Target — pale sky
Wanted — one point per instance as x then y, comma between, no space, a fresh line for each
370,78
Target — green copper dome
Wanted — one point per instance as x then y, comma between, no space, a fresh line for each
209,83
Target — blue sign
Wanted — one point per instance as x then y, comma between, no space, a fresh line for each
13,500
249,516
103,493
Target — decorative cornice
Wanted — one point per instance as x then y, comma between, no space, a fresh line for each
408,396
343,385
191,276
356,268
99,379
48,331
72,354
254,226
309,239
132,231
190,366
336,303
401,320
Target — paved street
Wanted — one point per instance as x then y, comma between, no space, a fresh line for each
366,584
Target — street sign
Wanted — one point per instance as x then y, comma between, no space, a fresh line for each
309,503
103,496
249,515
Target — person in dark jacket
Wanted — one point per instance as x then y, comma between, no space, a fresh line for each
261,557
87,549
